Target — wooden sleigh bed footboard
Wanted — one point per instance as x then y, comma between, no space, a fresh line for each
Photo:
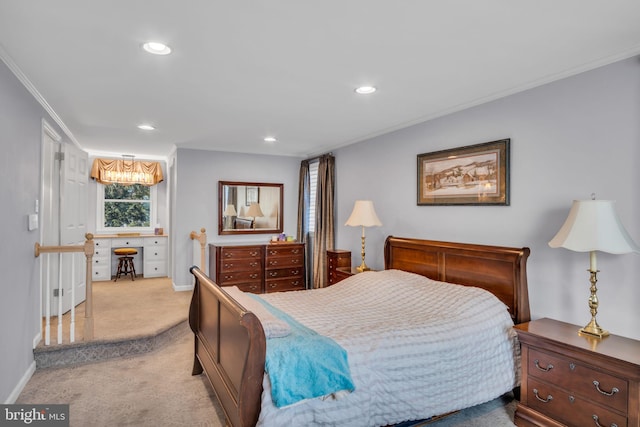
230,348
230,343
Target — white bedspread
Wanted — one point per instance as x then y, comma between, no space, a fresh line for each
416,348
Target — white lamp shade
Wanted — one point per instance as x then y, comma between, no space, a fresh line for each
363,215
230,211
254,210
593,225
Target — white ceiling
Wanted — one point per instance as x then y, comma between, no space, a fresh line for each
241,70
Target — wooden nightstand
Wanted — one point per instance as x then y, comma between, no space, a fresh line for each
573,380
337,259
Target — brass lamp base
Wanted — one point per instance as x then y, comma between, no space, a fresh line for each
362,267
593,330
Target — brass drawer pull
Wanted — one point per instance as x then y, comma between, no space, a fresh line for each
549,397
547,369
613,390
595,420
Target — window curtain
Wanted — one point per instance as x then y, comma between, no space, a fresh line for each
304,191
126,172
324,236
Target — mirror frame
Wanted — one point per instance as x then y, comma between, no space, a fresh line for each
223,231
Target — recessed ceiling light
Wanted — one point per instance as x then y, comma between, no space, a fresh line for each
157,48
146,127
365,90
270,139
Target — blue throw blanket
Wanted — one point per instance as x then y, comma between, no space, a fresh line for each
304,364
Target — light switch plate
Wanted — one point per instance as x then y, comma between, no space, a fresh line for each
33,222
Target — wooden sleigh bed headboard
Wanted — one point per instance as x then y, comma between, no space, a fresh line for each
500,270
230,344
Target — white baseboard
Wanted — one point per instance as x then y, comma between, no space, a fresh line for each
182,288
37,339
21,384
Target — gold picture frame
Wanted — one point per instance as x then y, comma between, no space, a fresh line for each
472,175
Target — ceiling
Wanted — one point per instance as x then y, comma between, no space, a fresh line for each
242,70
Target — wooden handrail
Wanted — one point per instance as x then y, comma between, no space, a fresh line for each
202,238
88,248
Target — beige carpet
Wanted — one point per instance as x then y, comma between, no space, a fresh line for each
127,309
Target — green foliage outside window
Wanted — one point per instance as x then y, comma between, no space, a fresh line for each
127,205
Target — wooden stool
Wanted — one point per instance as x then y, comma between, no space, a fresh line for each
125,262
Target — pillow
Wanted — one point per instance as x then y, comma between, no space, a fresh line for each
273,327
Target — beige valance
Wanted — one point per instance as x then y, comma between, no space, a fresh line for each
126,172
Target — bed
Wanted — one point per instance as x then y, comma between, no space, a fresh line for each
231,345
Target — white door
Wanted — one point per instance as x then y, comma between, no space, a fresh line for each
73,222
50,218
64,218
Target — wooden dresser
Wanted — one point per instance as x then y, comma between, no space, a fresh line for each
574,380
258,268
284,267
338,265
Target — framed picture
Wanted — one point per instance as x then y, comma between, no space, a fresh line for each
252,195
471,175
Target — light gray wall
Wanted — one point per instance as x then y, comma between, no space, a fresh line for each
569,139
196,197
20,138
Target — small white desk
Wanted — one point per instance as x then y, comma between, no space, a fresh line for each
153,251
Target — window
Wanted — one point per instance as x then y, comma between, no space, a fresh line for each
126,207
313,187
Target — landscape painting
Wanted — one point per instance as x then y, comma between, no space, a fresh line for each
472,175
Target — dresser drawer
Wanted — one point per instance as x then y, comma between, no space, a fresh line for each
230,252
288,284
285,261
579,378
253,287
284,250
279,273
136,242
155,269
240,265
101,272
150,242
568,408
155,253
235,277
104,244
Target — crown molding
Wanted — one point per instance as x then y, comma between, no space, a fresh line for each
6,58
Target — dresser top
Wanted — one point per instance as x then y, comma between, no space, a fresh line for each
566,334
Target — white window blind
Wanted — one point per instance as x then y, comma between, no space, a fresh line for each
313,186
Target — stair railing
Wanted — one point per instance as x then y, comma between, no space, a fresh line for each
202,238
88,250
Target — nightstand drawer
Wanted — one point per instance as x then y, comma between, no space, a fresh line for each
579,379
570,409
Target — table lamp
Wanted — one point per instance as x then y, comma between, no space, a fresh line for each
254,211
593,225
363,215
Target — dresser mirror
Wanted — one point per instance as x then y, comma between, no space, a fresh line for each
249,207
